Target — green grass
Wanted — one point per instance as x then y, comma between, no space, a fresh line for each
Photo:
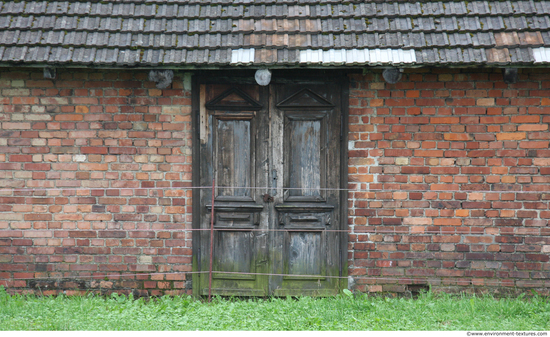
345,312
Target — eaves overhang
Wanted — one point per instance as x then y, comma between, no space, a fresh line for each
256,58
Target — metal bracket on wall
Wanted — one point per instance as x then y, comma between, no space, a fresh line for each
49,73
163,78
510,75
392,75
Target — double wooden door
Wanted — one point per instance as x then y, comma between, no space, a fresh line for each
274,153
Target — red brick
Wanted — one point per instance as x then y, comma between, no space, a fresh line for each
38,217
525,119
415,170
494,120
444,120
15,126
122,150
20,158
481,153
82,234
511,136
37,167
457,137
12,166
428,153
447,222
398,153
534,145
93,167
69,117
93,150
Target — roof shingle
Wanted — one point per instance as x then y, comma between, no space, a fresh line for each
276,32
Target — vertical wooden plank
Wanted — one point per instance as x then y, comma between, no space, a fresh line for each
332,173
211,241
225,155
206,174
261,174
203,115
195,178
242,161
278,156
344,132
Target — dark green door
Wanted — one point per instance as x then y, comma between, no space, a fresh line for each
275,155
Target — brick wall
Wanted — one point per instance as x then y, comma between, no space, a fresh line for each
454,165
94,146
451,166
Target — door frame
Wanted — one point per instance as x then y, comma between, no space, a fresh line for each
247,76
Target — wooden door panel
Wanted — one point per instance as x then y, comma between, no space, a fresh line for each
233,254
305,255
233,151
304,158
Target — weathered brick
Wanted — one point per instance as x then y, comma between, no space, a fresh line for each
534,145
82,234
444,120
415,170
457,137
511,136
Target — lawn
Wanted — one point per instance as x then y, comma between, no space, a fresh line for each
345,312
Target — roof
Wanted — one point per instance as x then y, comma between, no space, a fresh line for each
285,33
